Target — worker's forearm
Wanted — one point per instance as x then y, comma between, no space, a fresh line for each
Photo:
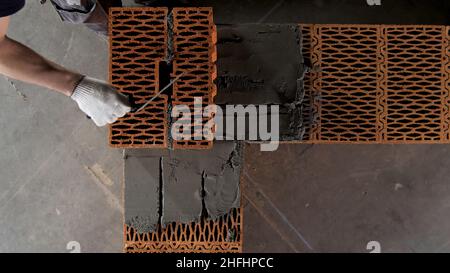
22,63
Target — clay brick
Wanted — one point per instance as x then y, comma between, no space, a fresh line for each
206,236
446,87
146,129
414,82
195,56
138,42
377,83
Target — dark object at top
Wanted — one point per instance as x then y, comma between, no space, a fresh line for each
9,7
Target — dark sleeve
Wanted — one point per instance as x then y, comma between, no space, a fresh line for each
9,7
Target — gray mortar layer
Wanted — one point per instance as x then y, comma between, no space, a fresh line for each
259,64
142,187
192,182
170,47
222,185
262,64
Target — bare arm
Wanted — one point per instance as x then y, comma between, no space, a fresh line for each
21,63
97,99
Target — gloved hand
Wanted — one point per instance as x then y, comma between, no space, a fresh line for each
100,101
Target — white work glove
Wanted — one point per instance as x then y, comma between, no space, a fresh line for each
100,101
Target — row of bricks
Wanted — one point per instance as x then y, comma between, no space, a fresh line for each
205,236
377,83
139,42
401,96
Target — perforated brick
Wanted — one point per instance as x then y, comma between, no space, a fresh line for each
414,83
195,55
377,83
307,105
138,41
221,236
446,87
148,128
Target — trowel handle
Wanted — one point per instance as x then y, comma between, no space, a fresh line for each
133,105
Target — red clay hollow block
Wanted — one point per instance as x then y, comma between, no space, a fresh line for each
224,235
138,43
377,83
195,56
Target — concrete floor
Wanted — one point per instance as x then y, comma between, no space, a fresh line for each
61,183
338,198
59,180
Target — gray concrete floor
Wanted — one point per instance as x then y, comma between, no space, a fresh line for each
338,198
60,182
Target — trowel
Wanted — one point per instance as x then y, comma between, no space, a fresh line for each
135,109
